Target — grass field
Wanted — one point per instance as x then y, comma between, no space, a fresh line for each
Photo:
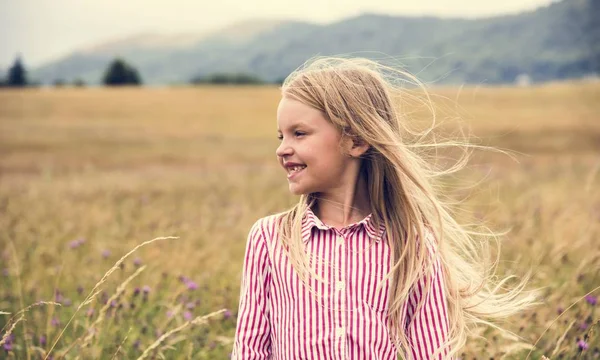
88,174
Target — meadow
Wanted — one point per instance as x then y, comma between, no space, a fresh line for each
86,175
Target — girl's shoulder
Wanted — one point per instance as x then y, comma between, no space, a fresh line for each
267,226
430,241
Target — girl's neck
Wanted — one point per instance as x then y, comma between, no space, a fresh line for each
345,206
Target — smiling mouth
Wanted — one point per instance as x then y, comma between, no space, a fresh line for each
292,171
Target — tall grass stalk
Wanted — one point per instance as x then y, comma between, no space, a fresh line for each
95,290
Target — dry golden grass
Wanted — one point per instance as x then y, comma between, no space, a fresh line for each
118,166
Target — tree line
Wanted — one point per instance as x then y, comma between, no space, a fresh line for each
120,73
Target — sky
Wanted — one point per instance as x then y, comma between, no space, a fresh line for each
44,30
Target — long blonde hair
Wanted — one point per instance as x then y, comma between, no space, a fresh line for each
358,96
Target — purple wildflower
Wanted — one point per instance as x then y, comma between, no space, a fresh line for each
227,314
58,296
187,315
582,345
76,243
560,310
191,285
104,297
170,313
183,279
190,305
113,303
583,326
55,322
136,291
42,340
66,302
136,344
8,344
90,312
592,300
105,253
79,289
146,289
137,262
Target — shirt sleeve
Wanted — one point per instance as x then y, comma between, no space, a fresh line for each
253,330
427,328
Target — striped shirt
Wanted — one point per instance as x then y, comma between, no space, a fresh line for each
280,318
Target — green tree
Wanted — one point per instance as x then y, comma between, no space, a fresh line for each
228,79
120,73
17,75
79,82
58,83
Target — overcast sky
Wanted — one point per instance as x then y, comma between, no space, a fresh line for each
42,30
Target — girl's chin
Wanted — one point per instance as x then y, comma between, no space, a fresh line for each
297,190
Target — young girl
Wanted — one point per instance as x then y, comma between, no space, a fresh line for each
369,264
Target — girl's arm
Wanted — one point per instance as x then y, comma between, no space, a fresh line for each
253,331
429,329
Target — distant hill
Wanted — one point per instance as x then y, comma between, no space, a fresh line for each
558,41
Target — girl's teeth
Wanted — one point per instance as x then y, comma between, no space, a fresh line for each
298,168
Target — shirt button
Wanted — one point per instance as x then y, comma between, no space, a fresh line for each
340,240
340,285
340,331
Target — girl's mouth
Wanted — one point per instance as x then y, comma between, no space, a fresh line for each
294,171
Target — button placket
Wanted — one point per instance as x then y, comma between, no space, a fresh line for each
342,294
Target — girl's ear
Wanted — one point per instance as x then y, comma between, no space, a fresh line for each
358,148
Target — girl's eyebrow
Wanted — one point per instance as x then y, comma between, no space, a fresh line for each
295,126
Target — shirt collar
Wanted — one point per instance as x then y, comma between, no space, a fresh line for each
311,220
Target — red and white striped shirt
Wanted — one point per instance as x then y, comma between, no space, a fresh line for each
279,317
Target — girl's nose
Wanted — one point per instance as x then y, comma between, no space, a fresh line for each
283,149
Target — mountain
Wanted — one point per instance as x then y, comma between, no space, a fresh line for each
151,53
159,42
558,41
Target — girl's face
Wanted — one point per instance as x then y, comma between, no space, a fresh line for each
310,149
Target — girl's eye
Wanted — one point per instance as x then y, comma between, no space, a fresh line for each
297,133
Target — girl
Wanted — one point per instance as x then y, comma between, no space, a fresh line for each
369,264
